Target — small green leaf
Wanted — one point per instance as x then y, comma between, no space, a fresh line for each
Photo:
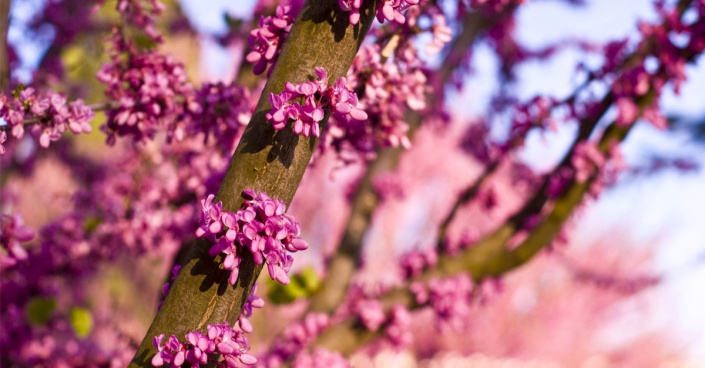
16,92
81,321
301,285
39,310
310,280
91,223
283,294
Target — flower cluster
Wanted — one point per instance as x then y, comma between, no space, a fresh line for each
167,285
398,328
46,116
389,185
320,358
260,226
318,98
152,92
449,298
585,159
414,262
231,344
253,301
222,111
266,40
390,89
12,234
390,10
143,13
442,34
295,338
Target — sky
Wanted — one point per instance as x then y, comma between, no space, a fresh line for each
669,206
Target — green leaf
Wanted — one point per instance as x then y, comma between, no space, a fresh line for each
16,91
39,310
310,280
91,223
81,321
301,285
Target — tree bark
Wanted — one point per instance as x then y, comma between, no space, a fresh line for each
265,159
4,54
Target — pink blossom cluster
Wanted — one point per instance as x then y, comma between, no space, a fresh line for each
12,234
388,185
586,159
476,142
46,116
670,59
167,285
295,338
253,301
260,226
449,299
221,339
414,262
152,92
398,328
317,98
221,111
266,40
320,358
493,7
536,113
390,90
442,34
143,13
390,10
558,181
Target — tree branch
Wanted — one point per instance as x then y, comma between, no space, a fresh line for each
4,57
265,159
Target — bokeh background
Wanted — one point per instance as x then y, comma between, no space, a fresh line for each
652,221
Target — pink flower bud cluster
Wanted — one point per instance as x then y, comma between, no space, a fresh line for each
253,301
353,6
442,34
390,10
260,226
476,142
388,185
390,90
558,182
12,234
295,338
536,113
152,92
586,159
266,40
46,116
318,98
493,7
221,111
449,298
398,328
165,289
221,339
669,59
416,261
143,13
320,358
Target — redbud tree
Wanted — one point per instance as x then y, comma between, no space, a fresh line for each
140,205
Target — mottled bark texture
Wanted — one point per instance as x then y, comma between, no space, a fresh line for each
265,159
4,57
